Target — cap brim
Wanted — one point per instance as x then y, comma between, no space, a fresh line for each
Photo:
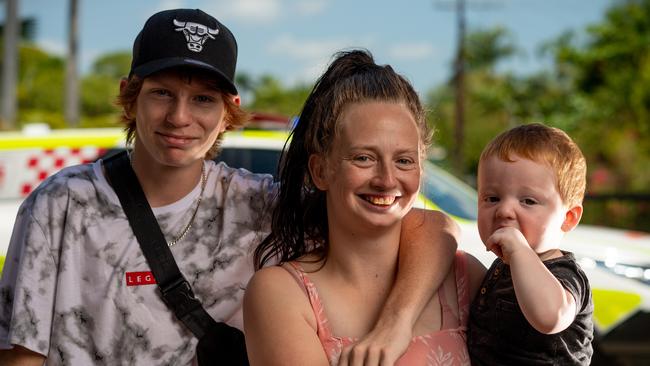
149,68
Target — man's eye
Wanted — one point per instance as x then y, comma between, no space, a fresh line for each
204,99
161,92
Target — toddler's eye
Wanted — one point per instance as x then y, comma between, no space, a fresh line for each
529,201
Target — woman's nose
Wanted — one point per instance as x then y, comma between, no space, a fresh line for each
384,177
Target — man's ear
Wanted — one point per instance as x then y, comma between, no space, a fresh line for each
123,83
127,109
572,218
318,171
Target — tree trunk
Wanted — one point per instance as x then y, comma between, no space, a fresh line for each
10,64
72,77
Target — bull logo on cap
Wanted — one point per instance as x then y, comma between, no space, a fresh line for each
195,34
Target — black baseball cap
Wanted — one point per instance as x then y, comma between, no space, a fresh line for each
185,37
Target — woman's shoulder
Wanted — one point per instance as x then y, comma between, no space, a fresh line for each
274,290
274,282
269,277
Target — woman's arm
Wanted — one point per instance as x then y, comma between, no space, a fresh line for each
20,356
427,248
279,324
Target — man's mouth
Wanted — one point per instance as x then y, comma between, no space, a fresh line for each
177,139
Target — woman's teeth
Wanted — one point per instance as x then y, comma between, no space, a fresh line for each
380,200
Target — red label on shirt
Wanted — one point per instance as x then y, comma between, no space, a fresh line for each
139,278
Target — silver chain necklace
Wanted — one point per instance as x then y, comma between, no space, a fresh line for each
198,203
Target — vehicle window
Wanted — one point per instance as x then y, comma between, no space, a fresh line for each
261,161
449,193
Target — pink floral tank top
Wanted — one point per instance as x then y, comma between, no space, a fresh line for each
443,347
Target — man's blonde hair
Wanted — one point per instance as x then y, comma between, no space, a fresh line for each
545,145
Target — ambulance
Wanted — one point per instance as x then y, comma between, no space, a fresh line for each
617,262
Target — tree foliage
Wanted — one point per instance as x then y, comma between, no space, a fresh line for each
598,91
114,65
269,95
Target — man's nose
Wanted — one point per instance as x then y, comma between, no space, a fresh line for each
180,113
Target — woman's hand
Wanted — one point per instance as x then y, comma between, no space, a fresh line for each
384,345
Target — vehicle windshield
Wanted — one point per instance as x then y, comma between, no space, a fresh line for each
448,192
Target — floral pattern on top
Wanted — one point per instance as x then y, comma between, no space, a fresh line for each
445,347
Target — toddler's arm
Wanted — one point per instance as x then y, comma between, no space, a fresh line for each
546,304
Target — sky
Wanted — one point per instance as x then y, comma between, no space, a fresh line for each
294,40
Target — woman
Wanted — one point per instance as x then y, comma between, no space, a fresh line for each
351,173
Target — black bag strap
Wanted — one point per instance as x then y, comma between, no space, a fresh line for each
176,291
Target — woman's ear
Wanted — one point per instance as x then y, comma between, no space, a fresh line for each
318,169
572,218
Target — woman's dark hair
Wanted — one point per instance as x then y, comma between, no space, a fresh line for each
299,221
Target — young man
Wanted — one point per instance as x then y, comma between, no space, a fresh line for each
76,289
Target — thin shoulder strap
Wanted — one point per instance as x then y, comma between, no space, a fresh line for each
452,318
308,287
462,287
176,291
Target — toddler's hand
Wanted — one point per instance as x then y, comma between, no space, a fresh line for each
505,241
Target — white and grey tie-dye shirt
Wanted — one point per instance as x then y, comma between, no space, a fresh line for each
70,288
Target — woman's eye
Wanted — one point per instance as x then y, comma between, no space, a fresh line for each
363,160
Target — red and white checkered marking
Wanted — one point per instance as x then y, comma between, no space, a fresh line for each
41,164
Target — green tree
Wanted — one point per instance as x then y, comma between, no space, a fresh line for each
269,95
115,65
101,86
610,72
488,98
40,80
486,48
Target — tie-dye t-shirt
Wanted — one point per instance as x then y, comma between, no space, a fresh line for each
75,285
